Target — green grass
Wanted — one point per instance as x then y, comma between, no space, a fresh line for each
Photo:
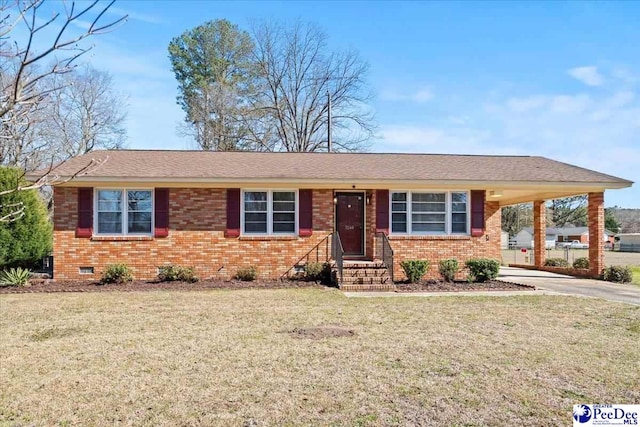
310,357
635,269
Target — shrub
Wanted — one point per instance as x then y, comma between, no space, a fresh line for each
25,239
618,274
247,274
313,270
556,262
415,269
581,263
448,269
15,277
171,273
116,273
482,269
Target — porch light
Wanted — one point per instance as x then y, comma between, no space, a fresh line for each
335,200
495,193
368,199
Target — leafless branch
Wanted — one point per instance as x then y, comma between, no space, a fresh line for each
48,177
22,88
297,71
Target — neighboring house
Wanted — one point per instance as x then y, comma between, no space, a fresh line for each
555,235
581,234
524,238
627,242
218,211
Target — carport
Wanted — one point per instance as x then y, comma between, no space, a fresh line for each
578,181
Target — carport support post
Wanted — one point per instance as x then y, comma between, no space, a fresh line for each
539,232
596,231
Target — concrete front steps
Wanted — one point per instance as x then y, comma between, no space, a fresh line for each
366,276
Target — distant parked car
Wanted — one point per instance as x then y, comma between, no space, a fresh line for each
576,244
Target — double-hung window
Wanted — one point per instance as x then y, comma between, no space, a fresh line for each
443,212
269,212
124,212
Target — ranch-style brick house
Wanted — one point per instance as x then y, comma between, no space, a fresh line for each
218,211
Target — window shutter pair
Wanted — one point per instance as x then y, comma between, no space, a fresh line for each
305,213
85,212
477,212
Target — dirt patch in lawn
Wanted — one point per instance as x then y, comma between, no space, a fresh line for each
460,286
139,285
320,332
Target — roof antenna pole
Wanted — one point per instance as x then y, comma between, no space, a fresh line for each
329,123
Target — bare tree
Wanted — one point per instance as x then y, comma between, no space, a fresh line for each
26,63
85,114
569,211
298,74
23,85
20,141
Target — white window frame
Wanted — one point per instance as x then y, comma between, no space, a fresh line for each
269,192
125,211
448,213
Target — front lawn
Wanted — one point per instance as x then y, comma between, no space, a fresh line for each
635,269
310,357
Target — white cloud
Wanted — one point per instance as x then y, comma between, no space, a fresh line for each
569,104
596,129
587,75
526,104
142,17
425,139
625,75
420,95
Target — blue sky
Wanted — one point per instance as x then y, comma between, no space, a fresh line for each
557,79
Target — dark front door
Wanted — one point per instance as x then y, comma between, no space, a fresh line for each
350,222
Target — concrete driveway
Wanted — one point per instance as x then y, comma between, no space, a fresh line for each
568,285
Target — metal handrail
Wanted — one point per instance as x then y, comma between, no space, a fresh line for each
387,253
337,253
323,246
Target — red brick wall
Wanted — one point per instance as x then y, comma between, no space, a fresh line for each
197,219
462,248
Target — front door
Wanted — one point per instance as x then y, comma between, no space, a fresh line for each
350,222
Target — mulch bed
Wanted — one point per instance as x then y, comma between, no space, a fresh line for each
461,286
139,285
45,286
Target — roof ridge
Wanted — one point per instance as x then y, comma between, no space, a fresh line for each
166,150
